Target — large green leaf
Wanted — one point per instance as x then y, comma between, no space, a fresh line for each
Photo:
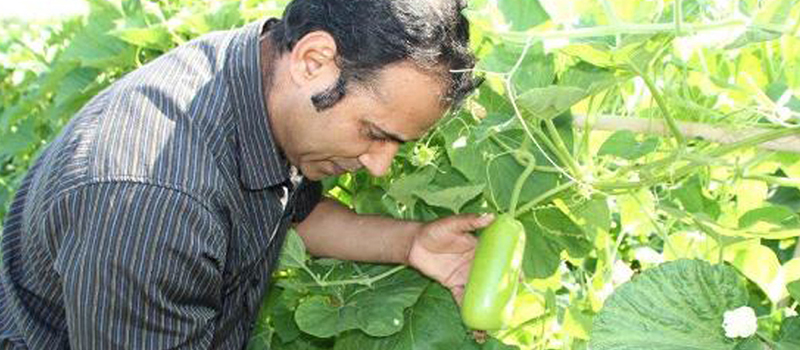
789,337
94,46
17,138
586,76
759,264
548,232
677,305
535,70
154,37
433,323
376,310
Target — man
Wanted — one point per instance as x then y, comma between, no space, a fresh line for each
155,219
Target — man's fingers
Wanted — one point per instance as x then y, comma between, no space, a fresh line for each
458,294
470,222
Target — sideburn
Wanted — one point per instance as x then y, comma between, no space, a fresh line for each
329,97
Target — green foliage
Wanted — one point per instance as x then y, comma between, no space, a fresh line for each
684,300
599,206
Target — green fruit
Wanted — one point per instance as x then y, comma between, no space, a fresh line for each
493,279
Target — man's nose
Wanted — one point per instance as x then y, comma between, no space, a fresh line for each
378,159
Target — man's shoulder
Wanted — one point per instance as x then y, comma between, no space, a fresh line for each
170,122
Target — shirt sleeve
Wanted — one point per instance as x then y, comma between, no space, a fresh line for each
309,195
141,269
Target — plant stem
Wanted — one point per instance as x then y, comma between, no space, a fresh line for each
366,281
662,104
678,17
692,166
708,132
544,196
532,321
561,148
525,156
612,17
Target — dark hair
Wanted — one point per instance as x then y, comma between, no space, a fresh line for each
371,34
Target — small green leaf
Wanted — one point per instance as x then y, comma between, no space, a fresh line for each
593,54
452,198
283,316
624,144
370,201
672,306
636,210
523,14
691,196
549,102
403,189
753,35
293,254
794,290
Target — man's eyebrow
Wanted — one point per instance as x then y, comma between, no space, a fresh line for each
387,134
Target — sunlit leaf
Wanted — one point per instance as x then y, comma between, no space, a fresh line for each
624,144
669,307
523,14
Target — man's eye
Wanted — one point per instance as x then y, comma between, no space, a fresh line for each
376,137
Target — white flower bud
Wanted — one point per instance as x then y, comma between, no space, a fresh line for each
740,322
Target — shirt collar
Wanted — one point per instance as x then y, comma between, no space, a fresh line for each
261,163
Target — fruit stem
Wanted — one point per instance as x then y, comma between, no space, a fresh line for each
529,168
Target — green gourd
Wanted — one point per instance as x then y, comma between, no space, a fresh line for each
494,276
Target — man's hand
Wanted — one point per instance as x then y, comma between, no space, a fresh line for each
444,249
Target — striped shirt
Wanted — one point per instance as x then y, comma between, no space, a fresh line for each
155,219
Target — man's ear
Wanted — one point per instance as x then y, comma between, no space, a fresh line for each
313,61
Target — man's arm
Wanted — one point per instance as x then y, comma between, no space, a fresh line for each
441,249
333,230
141,268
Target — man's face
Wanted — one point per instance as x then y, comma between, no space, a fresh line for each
367,127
